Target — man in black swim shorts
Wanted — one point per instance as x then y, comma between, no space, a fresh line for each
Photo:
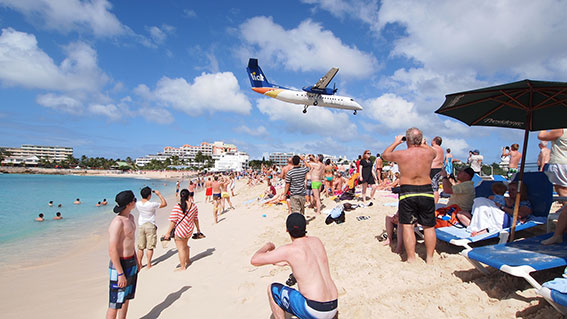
417,203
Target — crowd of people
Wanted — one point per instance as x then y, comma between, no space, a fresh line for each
417,174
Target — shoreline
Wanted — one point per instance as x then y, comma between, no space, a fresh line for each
167,175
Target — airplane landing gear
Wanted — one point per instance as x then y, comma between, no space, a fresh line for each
354,113
305,109
315,102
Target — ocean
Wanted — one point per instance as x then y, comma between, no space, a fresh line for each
24,241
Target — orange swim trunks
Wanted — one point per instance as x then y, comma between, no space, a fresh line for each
209,191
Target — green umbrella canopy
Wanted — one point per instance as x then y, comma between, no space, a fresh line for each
542,104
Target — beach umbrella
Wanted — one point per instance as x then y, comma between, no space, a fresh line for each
527,105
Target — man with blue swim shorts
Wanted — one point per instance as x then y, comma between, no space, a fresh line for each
306,255
124,265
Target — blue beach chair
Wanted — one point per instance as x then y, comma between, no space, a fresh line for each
520,259
557,299
540,192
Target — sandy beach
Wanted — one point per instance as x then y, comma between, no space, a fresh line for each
373,282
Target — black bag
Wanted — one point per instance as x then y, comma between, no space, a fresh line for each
172,233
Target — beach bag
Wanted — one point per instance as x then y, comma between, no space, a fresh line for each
447,216
172,234
348,195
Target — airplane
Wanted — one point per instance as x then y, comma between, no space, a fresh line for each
316,95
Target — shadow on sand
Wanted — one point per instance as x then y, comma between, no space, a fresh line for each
168,301
164,257
200,255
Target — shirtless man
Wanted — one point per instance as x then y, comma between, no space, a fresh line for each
378,166
515,157
208,190
124,265
417,204
215,186
340,183
317,296
224,192
437,166
283,174
317,170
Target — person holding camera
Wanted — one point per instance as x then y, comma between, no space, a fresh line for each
147,228
417,203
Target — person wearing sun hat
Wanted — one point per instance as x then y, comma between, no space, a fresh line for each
123,266
317,296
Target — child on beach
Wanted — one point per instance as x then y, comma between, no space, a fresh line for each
499,189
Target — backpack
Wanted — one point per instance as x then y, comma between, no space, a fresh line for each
447,216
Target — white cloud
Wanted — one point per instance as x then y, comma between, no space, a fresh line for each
157,35
23,63
156,115
365,10
488,36
65,15
459,147
109,110
258,131
61,102
309,47
188,13
207,93
318,120
393,112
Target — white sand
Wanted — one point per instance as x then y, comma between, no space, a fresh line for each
221,283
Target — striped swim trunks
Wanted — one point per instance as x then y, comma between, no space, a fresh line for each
417,205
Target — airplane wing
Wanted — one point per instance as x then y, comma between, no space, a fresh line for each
326,79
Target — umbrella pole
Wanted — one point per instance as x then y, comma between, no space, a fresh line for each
520,180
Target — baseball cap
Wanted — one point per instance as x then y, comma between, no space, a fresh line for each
296,224
123,199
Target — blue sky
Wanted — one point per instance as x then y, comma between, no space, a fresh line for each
123,78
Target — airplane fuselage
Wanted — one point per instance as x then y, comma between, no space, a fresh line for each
305,98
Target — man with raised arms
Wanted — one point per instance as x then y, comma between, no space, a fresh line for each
124,265
515,157
437,165
317,296
417,204
317,169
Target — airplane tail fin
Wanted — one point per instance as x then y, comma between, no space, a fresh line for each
257,77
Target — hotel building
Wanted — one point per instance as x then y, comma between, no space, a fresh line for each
30,154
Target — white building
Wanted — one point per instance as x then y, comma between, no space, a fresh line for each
187,153
233,161
27,154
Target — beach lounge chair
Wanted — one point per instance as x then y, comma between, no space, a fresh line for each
557,299
520,259
540,192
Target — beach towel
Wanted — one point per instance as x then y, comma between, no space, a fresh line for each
558,284
486,215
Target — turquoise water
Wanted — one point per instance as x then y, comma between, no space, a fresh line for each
23,197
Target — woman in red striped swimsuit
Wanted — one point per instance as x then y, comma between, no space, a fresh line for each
183,217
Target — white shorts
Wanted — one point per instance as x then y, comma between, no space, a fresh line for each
557,174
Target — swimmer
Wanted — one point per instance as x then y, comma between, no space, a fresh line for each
98,204
50,203
77,202
40,218
59,205
57,216
104,202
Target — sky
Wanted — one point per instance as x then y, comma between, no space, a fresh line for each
126,78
